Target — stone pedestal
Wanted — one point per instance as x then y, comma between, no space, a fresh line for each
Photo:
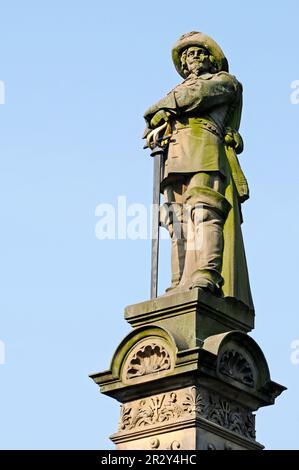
188,376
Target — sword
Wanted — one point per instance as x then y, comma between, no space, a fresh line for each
157,154
157,145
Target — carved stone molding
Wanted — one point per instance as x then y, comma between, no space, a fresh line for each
157,409
211,446
236,366
155,444
148,359
230,416
170,407
194,403
174,445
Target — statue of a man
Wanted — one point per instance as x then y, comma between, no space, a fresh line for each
202,182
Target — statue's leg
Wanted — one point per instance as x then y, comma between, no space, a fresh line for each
171,217
207,210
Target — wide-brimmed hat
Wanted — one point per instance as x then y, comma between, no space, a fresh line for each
196,38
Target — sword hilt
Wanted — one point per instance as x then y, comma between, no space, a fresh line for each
153,139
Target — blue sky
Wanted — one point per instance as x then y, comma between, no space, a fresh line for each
78,77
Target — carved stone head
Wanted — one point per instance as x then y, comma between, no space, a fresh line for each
197,60
209,54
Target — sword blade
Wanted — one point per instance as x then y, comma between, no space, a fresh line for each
157,154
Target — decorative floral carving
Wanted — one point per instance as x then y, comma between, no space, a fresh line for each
148,359
157,410
234,365
193,403
230,416
125,417
172,406
250,425
218,412
152,410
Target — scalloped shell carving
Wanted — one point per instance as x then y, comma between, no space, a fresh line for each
148,359
234,365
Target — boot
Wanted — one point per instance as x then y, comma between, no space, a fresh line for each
204,241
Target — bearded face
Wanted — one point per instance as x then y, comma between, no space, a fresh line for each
197,60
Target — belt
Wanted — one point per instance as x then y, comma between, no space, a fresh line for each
200,122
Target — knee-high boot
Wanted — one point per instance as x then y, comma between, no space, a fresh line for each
204,242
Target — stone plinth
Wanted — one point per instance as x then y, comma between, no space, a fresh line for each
188,376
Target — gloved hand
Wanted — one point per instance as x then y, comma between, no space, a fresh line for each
234,139
159,118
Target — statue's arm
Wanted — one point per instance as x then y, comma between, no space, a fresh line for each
203,95
200,95
165,107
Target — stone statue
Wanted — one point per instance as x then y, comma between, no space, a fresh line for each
201,179
188,375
